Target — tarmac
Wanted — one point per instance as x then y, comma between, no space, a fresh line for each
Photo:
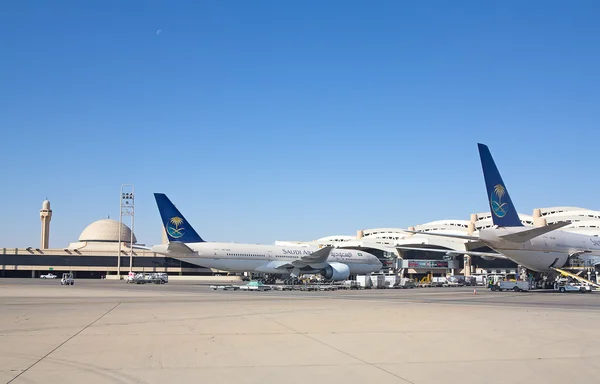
100,331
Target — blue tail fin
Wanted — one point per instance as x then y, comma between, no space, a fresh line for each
503,211
176,226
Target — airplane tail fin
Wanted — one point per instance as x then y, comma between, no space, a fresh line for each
176,226
504,213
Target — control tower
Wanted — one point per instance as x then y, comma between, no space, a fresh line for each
45,216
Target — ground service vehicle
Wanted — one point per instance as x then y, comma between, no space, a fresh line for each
405,282
562,288
350,284
255,286
455,281
225,287
517,286
130,278
143,278
67,279
439,281
48,276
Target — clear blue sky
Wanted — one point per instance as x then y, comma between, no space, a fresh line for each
278,120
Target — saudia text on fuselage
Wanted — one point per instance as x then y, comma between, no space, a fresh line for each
302,252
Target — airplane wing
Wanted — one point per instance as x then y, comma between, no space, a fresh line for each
314,260
466,237
316,257
453,252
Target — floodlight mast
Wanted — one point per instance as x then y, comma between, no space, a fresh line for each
126,209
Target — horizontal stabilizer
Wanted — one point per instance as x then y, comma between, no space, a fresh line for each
523,236
172,247
466,237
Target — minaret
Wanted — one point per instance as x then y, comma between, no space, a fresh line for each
45,216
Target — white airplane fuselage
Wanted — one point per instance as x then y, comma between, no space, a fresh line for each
255,257
552,249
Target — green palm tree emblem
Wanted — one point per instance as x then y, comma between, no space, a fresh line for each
497,204
175,231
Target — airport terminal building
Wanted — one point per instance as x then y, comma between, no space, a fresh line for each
107,247
93,255
418,263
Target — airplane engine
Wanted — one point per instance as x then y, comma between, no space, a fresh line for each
336,272
488,257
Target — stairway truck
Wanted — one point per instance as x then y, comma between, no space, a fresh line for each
517,286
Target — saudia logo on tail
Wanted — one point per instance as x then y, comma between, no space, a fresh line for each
498,207
174,230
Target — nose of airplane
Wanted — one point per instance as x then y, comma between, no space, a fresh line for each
377,261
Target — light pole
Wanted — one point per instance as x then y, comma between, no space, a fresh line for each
126,208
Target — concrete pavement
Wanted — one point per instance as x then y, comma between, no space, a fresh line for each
111,332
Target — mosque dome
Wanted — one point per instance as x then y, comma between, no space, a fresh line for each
106,230
46,205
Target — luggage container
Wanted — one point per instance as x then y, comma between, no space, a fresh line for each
391,281
378,281
364,281
439,281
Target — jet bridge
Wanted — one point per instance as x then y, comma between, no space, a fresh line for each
576,277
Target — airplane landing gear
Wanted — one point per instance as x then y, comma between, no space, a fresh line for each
270,279
291,281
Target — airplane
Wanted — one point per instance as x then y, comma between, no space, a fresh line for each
539,249
186,245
